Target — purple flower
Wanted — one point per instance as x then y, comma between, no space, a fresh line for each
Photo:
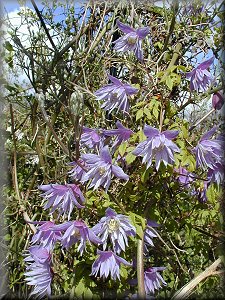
149,233
38,271
101,169
115,226
108,263
115,95
132,39
122,134
200,76
62,197
158,145
217,173
76,231
184,176
208,152
44,235
91,138
217,100
201,193
77,172
153,280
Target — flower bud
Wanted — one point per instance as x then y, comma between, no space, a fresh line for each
217,100
76,102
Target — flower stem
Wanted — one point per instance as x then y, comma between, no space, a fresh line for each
202,119
140,269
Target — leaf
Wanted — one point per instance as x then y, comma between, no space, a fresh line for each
130,158
156,111
169,82
80,288
122,148
88,294
148,113
8,46
139,114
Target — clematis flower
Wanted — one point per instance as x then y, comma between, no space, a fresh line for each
77,172
101,169
217,100
44,235
132,39
108,263
158,145
115,95
184,176
91,138
115,226
76,231
200,78
122,134
38,271
217,173
153,279
62,197
208,152
149,233
201,192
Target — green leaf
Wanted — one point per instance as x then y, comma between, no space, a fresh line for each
80,288
130,158
122,148
169,82
8,46
139,114
147,113
156,111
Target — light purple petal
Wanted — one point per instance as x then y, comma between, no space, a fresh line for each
124,27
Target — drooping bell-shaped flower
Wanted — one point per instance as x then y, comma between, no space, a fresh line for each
200,77
44,236
132,39
62,197
153,280
208,151
116,227
108,263
77,232
217,100
115,95
158,145
122,134
101,169
38,271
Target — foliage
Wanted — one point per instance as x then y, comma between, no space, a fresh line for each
78,57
